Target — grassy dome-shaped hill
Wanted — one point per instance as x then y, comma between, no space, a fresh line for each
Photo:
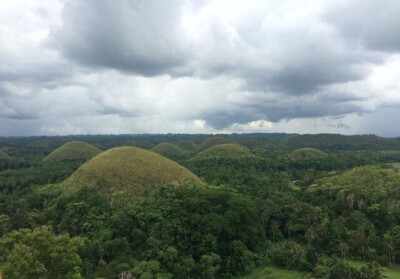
3,155
210,142
129,172
227,150
168,149
307,153
368,184
73,150
187,145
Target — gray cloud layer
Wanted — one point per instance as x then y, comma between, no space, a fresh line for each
182,61
141,37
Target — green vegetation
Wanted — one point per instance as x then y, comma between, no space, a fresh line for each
341,142
282,210
210,142
73,150
128,172
227,150
307,154
187,145
361,187
389,273
271,272
141,144
395,166
39,254
168,149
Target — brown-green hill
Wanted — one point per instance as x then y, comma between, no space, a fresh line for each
187,145
3,155
226,150
361,187
307,153
73,150
210,142
168,149
126,173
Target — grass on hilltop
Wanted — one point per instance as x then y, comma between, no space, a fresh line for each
129,172
4,156
187,145
307,153
73,150
227,150
395,166
371,183
271,272
388,272
210,142
168,149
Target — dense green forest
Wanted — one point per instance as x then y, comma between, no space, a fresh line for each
200,206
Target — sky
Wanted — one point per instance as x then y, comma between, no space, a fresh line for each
186,66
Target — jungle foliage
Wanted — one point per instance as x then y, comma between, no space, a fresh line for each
311,204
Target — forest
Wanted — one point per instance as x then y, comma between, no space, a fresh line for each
169,206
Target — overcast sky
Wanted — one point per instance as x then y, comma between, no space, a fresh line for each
181,66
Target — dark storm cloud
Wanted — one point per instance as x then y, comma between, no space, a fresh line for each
147,38
308,107
142,37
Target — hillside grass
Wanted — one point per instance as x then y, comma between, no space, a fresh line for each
395,166
168,149
129,172
307,153
227,150
210,142
368,183
73,150
4,156
271,272
388,272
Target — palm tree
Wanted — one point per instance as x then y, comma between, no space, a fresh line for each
289,227
274,228
310,236
343,249
388,242
264,220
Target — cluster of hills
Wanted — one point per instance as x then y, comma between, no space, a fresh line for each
200,206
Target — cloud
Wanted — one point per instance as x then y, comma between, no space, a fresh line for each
70,66
339,125
142,37
367,23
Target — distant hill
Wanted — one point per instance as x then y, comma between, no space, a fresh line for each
141,143
341,142
187,145
368,184
210,142
129,172
227,150
73,150
307,153
3,155
168,149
